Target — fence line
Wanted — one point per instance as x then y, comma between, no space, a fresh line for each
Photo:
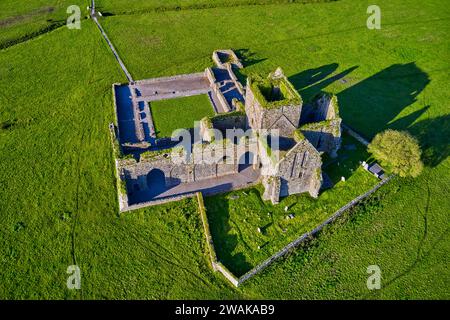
355,134
303,237
116,55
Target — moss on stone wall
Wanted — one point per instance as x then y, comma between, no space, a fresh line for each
263,90
298,135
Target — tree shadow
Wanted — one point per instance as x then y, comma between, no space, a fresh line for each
433,135
371,105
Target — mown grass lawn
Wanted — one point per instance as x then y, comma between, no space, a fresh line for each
180,113
57,197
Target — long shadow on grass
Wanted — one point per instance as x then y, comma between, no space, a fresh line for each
371,105
225,242
433,135
312,81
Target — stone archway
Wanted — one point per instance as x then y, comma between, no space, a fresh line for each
156,182
246,161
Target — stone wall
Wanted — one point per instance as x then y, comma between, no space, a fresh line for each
297,172
324,109
234,60
285,118
207,161
229,121
325,136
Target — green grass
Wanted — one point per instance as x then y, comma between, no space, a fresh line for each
180,113
58,203
30,19
57,196
234,218
138,6
349,157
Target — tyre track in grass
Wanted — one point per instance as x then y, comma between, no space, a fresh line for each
420,255
79,169
173,261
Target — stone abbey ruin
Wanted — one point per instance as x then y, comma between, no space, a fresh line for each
262,133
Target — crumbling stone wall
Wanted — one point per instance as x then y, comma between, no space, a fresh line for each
206,161
233,60
285,118
325,133
297,172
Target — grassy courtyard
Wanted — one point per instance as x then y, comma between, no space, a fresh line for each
235,217
58,205
180,113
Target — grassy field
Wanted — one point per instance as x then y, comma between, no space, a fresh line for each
181,113
58,205
29,19
234,218
137,6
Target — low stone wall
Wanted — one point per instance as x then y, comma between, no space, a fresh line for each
157,202
215,264
308,235
227,274
170,78
209,241
355,135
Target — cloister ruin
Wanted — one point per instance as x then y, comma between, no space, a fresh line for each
276,139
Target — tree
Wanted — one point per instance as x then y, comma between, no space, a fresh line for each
398,152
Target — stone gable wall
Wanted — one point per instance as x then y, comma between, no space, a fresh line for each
299,171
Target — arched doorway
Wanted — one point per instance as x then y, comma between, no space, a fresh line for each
156,182
246,161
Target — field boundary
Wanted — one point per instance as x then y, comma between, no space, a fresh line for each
218,266
312,233
203,6
111,46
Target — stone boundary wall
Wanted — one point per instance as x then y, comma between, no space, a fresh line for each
216,265
310,234
105,36
209,241
169,78
226,273
158,202
355,135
